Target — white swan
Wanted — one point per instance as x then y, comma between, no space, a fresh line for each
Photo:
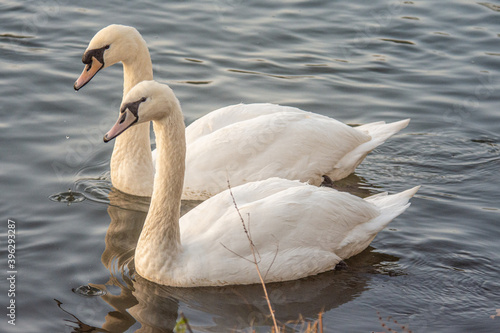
298,229
241,143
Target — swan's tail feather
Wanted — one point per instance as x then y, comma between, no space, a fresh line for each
390,207
379,132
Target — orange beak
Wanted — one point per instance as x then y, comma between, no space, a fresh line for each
88,73
125,120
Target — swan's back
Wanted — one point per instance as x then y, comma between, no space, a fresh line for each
251,142
293,145
298,230
228,115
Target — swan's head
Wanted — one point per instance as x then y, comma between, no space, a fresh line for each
110,45
147,101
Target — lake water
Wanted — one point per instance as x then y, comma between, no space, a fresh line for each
436,268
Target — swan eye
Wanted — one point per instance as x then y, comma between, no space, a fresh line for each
96,53
133,107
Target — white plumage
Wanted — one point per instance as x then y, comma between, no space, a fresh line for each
298,229
245,143
241,143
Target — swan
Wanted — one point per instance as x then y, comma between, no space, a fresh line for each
298,229
242,143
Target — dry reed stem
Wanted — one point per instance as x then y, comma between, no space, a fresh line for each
253,249
186,322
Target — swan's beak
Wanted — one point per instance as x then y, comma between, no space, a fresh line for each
88,73
126,119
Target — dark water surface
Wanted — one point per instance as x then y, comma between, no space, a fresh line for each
436,268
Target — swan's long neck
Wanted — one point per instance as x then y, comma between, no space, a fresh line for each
161,231
132,168
138,68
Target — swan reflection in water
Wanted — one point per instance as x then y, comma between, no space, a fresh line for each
156,307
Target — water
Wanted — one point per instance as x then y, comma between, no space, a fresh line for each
434,269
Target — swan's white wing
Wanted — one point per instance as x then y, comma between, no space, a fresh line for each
250,142
290,145
299,226
228,115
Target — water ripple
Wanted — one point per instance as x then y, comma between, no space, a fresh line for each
95,189
15,36
286,77
491,6
439,157
398,41
68,197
